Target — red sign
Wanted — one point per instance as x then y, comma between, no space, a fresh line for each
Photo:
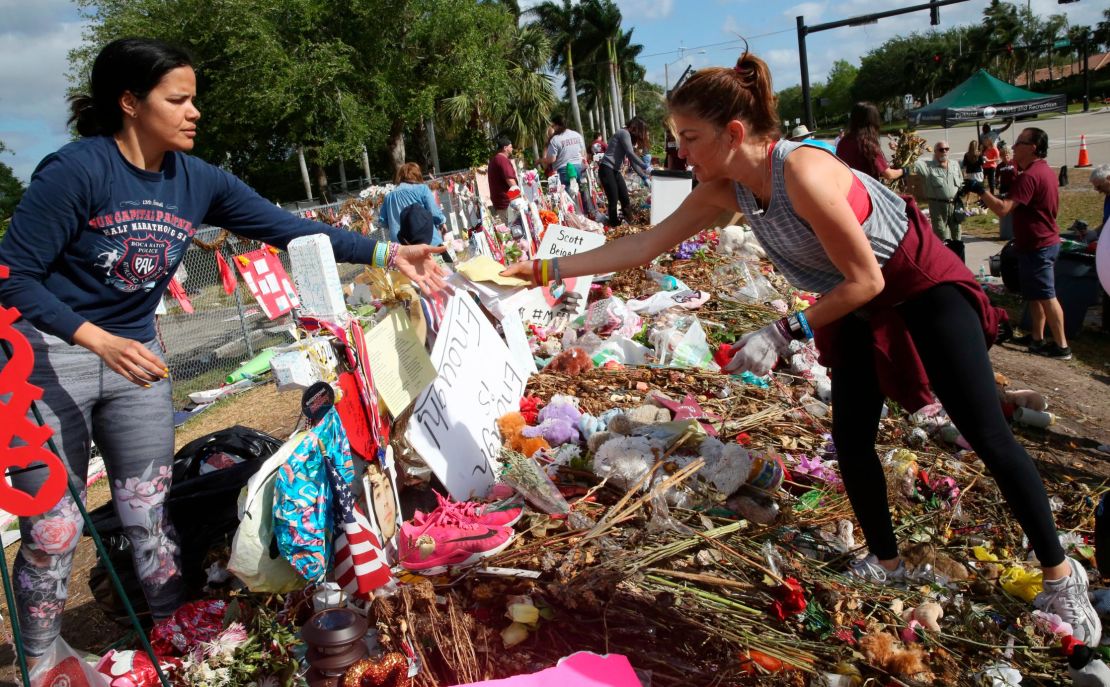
268,282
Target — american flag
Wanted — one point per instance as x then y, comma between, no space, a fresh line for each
360,563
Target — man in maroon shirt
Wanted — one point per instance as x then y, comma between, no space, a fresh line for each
502,178
1033,200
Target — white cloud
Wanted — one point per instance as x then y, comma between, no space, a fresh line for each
632,10
812,11
731,27
33,82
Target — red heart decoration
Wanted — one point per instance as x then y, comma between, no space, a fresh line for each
68,673
567,283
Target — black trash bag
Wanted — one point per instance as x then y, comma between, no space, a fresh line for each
202,508
958,248
1008,267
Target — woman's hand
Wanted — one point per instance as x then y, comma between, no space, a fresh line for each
520,270
758,351
127,357
417,263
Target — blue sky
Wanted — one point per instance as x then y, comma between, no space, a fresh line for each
36,35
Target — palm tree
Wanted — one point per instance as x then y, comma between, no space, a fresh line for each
533,95
631,71
602,29
562,22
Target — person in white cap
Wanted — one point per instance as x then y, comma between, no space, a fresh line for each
802,134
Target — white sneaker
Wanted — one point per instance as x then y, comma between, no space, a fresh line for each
1067,598
868,569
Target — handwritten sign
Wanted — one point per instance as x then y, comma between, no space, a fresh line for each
317,277
454,422
559,241
401,366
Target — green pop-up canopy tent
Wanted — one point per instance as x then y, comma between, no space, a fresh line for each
982,96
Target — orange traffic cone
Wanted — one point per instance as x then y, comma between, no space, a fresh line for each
1084,160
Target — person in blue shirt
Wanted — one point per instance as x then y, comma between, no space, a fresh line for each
91,248
410,190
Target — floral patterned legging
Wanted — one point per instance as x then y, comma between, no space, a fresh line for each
84,401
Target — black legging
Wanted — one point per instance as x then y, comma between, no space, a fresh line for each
992,175
947,334
615,188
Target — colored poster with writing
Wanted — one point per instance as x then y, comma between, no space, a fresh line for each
268,282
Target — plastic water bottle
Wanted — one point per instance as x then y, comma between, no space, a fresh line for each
982,273
665,281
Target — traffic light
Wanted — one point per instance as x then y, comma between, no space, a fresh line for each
934,14
937,58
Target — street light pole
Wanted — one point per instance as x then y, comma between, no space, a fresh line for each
803,31
666,67
807,104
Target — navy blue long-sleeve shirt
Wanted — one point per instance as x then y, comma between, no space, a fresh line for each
96,239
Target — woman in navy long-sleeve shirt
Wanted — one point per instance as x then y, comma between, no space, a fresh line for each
92,246
621,148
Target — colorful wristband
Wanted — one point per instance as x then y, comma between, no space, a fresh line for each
555,267
391,259
805,324
381,254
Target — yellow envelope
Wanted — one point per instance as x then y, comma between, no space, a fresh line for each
485,268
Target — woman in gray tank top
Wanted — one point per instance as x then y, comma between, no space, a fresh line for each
899,315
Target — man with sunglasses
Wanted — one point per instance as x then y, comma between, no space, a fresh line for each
1034,200
942,182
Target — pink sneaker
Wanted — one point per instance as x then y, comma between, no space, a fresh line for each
503,513
444,539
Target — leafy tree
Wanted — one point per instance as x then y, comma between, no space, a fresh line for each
269,74
11,190
1101,34
790,105
837,91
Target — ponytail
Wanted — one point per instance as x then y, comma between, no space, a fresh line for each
720,95
126,65
82,116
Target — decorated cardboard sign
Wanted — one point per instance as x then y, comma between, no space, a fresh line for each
268,282
454,421
541,306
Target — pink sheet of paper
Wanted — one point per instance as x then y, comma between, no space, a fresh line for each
583,669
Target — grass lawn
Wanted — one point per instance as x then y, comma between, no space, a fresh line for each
1077,201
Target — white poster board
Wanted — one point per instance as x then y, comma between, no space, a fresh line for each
517,340
454,422
560,241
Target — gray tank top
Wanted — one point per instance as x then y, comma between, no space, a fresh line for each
792,245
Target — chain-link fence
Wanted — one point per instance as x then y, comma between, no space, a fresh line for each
203,347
